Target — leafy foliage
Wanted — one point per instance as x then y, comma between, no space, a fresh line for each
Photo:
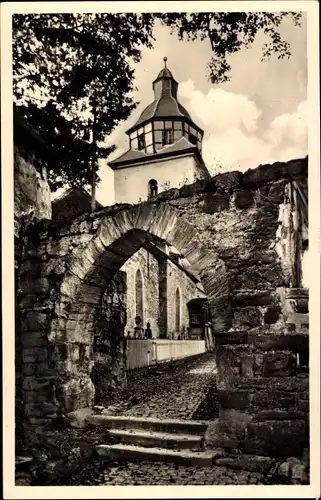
80,67
229,32
72,163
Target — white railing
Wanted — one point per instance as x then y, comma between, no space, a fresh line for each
142,353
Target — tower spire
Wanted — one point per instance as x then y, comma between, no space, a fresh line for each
165,60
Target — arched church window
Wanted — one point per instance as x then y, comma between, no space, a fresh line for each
139,296
177,311
152,189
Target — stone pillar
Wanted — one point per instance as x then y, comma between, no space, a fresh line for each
109,370
163,297
263,389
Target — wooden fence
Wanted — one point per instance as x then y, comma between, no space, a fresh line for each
143,353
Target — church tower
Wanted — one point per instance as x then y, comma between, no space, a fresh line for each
165,147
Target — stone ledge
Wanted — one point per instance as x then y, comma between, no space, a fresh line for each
238,337
245,298
294,342
252,463
291,384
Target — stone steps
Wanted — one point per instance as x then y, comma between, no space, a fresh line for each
154,424
132,452
158,439
152,439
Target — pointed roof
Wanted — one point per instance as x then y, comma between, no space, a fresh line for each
165,104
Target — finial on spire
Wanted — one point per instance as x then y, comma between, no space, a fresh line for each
165,59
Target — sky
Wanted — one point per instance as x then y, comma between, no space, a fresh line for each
258,117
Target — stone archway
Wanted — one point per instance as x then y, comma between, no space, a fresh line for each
91,267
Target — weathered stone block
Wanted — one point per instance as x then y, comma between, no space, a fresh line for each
34,321
191,189
274,399
213,203
34,286
35,354
237,337
40,409
304,406
243,199
74,352
38,368
279,363
292,342
286,384
276,192
228,430
275,438
170,194
272,315
253,463
238,400
252,298
225,182
277,414
34,339
247,316
36,383
247,365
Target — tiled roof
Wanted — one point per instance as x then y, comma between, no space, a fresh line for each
165,104
162,108
179,147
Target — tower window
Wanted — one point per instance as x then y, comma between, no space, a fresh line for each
141,142
167,136
152,189
192,138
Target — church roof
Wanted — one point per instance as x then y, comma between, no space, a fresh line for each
165,104
164,107
165,73
182,146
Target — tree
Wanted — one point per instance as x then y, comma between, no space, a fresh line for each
229,32
80,66
71,164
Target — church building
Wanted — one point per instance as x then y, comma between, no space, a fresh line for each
165,151
164,296
165,147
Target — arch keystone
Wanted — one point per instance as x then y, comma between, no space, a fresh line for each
165,219
143,215
108,231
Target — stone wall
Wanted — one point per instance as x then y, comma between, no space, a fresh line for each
188,290
230,230
109,362
149,267
31,204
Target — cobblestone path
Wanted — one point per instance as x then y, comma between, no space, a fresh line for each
159,473
170,392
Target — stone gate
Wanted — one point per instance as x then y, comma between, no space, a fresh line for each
244,234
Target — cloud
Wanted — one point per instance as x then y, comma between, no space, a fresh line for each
233,135
233,138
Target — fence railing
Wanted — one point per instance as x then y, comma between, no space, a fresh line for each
143,353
